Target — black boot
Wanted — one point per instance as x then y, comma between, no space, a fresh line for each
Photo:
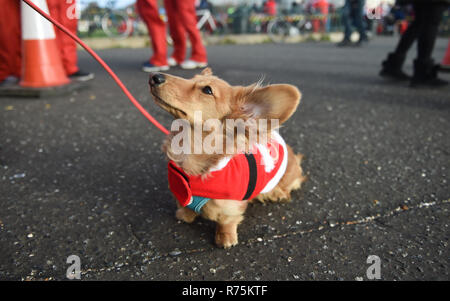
344,43
425,74
392,67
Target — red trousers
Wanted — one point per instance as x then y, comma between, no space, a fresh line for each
59,9
10,36
10,39
148,10
182,21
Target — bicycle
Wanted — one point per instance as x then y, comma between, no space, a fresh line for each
208,24
117,24
96,21
281,28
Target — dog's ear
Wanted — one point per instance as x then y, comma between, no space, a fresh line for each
271,102
207,71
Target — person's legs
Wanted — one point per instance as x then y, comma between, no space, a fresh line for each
188,16
427,37
346,20
10,40
177,31
425,71
347,23
148,10
327,23
408,38
68,47
359,20
392,66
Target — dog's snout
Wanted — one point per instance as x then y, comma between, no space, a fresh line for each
156,79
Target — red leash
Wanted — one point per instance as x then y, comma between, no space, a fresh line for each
103,64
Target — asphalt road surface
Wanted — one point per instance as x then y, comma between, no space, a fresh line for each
84,175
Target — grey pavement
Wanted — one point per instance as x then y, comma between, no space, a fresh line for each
84,174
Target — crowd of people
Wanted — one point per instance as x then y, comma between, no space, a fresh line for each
182,25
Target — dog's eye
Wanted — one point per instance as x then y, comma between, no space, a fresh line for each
207,90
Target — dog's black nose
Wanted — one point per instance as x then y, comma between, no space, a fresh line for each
156,79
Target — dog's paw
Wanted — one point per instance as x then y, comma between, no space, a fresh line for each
226,240
185,215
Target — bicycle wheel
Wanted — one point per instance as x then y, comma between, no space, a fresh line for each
278,30
116,25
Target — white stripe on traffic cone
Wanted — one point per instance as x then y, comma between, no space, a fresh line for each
41,59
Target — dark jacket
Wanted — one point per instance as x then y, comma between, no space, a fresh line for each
405,2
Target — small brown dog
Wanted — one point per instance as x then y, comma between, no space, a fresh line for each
218,185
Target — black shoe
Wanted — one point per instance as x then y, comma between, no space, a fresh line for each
425,75
392,67
344,43
149,67
81,76
362,42
9,81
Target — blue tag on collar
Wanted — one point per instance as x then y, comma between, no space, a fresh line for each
197,203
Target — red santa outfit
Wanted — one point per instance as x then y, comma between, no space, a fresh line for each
240,177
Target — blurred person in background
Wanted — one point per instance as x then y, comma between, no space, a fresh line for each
424,29
11,39
352,13
61,11
255,9
182,19
270,8
296,8
149,13
204,4
321,7
284,6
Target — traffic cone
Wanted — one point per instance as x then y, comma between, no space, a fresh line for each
445,65
41,60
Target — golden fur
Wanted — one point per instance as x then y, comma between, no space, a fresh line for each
182,97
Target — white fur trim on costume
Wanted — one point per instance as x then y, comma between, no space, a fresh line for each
268,162
222,163
267,159
274,181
